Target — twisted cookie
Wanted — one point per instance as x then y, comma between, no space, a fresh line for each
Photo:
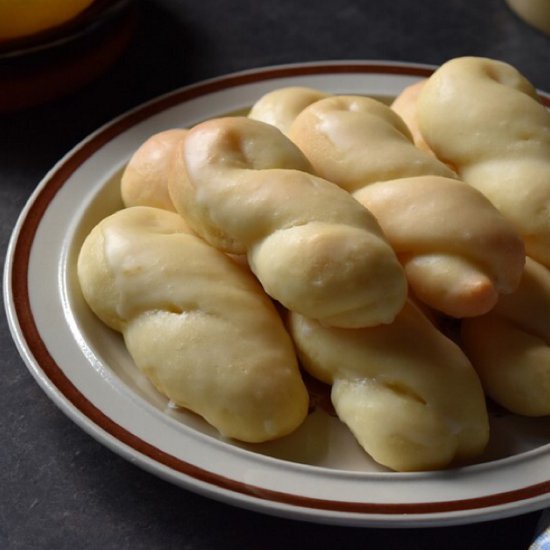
245,187
281,106
144,181
458,251
483,117
405,106
408,394
355,140
510,346
197,325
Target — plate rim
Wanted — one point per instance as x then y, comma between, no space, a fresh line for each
86,415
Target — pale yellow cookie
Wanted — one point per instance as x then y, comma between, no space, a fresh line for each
409,394
245,187
510,346
405,106
486,119
355,140
281,106
196,324
458,251
144,181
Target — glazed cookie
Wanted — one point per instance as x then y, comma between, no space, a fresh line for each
510,346
196,324
144,181
246,188
409,394
458,251
486,119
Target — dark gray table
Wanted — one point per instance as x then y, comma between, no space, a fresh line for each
59,487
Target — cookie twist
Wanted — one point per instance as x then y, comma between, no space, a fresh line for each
281,106
405,106
510,346
144,181
458,251
486,119
245,187
197,325
408,394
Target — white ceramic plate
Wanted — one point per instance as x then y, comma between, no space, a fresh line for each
318,473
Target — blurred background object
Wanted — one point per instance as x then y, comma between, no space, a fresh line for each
22,19
534,12
51,48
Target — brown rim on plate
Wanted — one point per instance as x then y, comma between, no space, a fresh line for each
54,373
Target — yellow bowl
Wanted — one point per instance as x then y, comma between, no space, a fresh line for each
21,19
41,61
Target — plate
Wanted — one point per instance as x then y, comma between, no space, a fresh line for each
318,473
